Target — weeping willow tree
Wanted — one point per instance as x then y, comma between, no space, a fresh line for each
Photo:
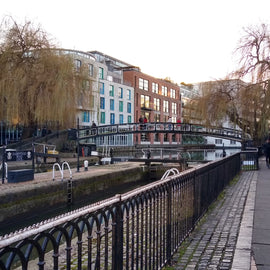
247,105
37,82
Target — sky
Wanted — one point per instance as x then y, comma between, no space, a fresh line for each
186,40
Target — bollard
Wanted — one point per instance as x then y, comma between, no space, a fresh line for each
85,165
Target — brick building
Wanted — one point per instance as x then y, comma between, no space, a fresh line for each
157,100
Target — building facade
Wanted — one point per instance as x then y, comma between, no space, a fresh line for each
88,102
155,100
116,99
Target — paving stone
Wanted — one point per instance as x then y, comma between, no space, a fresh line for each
214,241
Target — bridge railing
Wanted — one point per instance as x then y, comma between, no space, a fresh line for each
250,159
161,127
140,229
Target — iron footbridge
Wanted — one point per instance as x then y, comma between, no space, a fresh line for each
160,127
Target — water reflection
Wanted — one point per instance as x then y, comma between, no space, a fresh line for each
188,155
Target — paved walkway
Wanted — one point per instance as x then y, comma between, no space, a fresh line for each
235,234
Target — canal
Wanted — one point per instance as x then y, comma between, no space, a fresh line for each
27,220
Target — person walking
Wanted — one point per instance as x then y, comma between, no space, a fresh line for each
267,152
144,123
141,122
93,127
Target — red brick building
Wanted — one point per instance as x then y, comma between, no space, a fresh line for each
156,99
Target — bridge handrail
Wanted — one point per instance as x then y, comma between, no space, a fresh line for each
164,127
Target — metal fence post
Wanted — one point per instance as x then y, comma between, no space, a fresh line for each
169,223
117,252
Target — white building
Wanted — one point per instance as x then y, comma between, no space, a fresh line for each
116,99
87,111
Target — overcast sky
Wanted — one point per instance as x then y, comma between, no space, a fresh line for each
187,40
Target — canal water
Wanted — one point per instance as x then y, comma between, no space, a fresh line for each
25,221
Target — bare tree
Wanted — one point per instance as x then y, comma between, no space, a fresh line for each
247,105
37,82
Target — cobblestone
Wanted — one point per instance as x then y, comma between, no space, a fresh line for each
213,242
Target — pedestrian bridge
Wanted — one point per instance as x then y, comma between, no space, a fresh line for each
159,127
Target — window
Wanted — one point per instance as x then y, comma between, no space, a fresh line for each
172,93
165,106
86,85
111,91
128,94
91,69
120,106
101,88
174,106
92,101
129,118
164,91
145,101
157,117
101,73
155,88
121,118
102,118
143,84
156,104
218,141
129,107
78,64
140,83
102,103
112,118
85,116
120,92
111,104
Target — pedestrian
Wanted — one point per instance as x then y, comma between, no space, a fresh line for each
93,127
141,122
266,148
178,123
144,122
170,121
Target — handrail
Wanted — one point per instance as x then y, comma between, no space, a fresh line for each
62,170
63,165
167,173
57,164
163,127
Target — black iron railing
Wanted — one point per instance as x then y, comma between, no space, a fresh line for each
160,127
137,230
250,159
